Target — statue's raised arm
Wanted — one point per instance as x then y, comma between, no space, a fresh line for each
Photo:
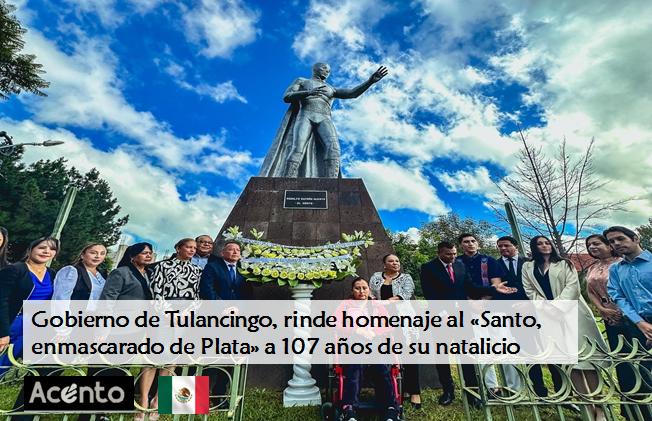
306,143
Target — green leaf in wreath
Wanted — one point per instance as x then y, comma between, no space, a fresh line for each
342,275
356,263
293,282
266,279
282,282
317,283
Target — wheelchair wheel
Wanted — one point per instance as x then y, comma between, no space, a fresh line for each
328,412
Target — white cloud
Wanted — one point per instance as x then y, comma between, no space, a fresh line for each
220,93
393,187
220,26
477,180
150,195
107,12
86,91
338,27
413,233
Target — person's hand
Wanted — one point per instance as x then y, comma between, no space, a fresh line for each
227,311
320,90
380,73
4,343
646,328
612,315
504,289
101,338
60,338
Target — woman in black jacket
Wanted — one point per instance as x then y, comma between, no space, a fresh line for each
130,282
28,280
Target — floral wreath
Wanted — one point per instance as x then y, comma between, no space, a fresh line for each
263,261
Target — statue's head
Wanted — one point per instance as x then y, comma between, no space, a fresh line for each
321,70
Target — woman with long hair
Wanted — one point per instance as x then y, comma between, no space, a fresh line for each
398,288
4,245
80,281
130,282
551,277
29,280
615,324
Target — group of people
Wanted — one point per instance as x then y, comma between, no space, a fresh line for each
619,284
193,273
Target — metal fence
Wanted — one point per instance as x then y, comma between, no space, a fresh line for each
636,402
229,406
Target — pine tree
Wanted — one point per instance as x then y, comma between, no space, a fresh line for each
30,199
18,71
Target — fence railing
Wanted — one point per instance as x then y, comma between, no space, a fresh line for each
636,402
229,405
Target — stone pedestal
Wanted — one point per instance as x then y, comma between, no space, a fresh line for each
350,209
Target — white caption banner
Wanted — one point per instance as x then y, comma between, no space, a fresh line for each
186,332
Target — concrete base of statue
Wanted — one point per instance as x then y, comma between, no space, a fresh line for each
302,389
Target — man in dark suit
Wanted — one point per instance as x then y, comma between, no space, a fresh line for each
221,280
445,279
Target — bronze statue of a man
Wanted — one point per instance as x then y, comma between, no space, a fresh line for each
306,143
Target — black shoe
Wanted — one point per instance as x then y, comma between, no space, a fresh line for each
572,408
447,398
416,405
349,414
475,403
391,414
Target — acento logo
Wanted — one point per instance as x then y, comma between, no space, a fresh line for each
78,394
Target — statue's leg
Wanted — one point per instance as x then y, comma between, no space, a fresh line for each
301,134
328,136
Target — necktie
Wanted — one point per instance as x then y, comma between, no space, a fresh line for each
232,271
511,265
450,272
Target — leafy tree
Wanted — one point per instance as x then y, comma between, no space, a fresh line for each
556,197
645,232
30,199
413,254
450,226
17,71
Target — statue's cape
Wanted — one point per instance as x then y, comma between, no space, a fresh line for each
276,159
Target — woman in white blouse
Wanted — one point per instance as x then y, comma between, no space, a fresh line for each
80,281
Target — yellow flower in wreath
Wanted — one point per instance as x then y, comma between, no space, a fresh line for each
266,272
256,271
275,273
284,275
292,276
301,276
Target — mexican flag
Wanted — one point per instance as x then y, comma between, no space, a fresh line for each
183,395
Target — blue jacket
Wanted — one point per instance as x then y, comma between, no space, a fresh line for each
215,283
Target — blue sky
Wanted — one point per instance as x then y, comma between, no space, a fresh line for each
177,102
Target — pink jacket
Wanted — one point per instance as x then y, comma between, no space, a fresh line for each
353,310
